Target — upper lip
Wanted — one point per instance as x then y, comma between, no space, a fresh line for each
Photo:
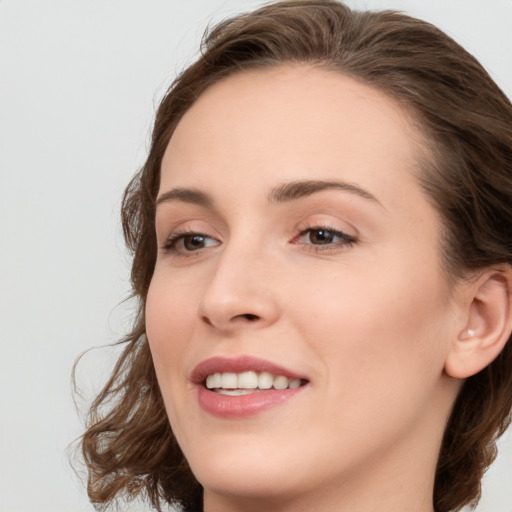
238,365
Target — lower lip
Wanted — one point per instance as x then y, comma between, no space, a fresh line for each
226,406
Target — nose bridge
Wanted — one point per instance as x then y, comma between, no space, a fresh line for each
240,291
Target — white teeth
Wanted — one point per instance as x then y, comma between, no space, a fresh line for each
235,392
294,383
248,380
243,383
214,381
229,380
280,382
217,380
265,380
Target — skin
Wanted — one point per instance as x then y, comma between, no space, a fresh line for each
370,323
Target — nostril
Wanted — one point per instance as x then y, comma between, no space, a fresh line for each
250,317
245,317
206,320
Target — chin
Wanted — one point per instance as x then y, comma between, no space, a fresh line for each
248,472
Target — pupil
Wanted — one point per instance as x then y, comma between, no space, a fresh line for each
194,242
321,236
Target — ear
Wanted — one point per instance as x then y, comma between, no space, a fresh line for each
488,323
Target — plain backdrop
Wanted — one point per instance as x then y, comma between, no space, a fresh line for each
79,83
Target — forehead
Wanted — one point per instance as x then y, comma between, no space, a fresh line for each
286,123
300,108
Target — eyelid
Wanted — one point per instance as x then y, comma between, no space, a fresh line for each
345,241
327,221
171,244
178,224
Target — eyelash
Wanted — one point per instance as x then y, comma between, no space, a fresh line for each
345,241
172,241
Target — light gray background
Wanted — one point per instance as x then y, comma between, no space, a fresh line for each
79,83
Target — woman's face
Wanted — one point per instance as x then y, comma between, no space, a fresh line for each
296,247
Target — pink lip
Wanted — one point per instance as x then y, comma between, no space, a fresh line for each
226,406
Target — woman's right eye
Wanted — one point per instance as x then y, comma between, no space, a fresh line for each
183,243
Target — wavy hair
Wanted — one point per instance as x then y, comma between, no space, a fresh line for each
129,447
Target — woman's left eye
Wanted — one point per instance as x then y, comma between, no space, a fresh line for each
323,238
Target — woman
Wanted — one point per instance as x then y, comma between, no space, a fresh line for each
322,246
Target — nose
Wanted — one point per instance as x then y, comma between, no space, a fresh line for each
241,292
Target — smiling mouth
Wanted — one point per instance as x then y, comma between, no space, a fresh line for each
240,387
244,383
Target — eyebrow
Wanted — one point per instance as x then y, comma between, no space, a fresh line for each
297,189
186,195
279,194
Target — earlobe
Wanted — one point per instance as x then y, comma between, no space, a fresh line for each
488,324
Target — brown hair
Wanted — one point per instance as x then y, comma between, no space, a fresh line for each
129,446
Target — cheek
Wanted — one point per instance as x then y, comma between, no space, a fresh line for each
380,346
169,314
374,326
